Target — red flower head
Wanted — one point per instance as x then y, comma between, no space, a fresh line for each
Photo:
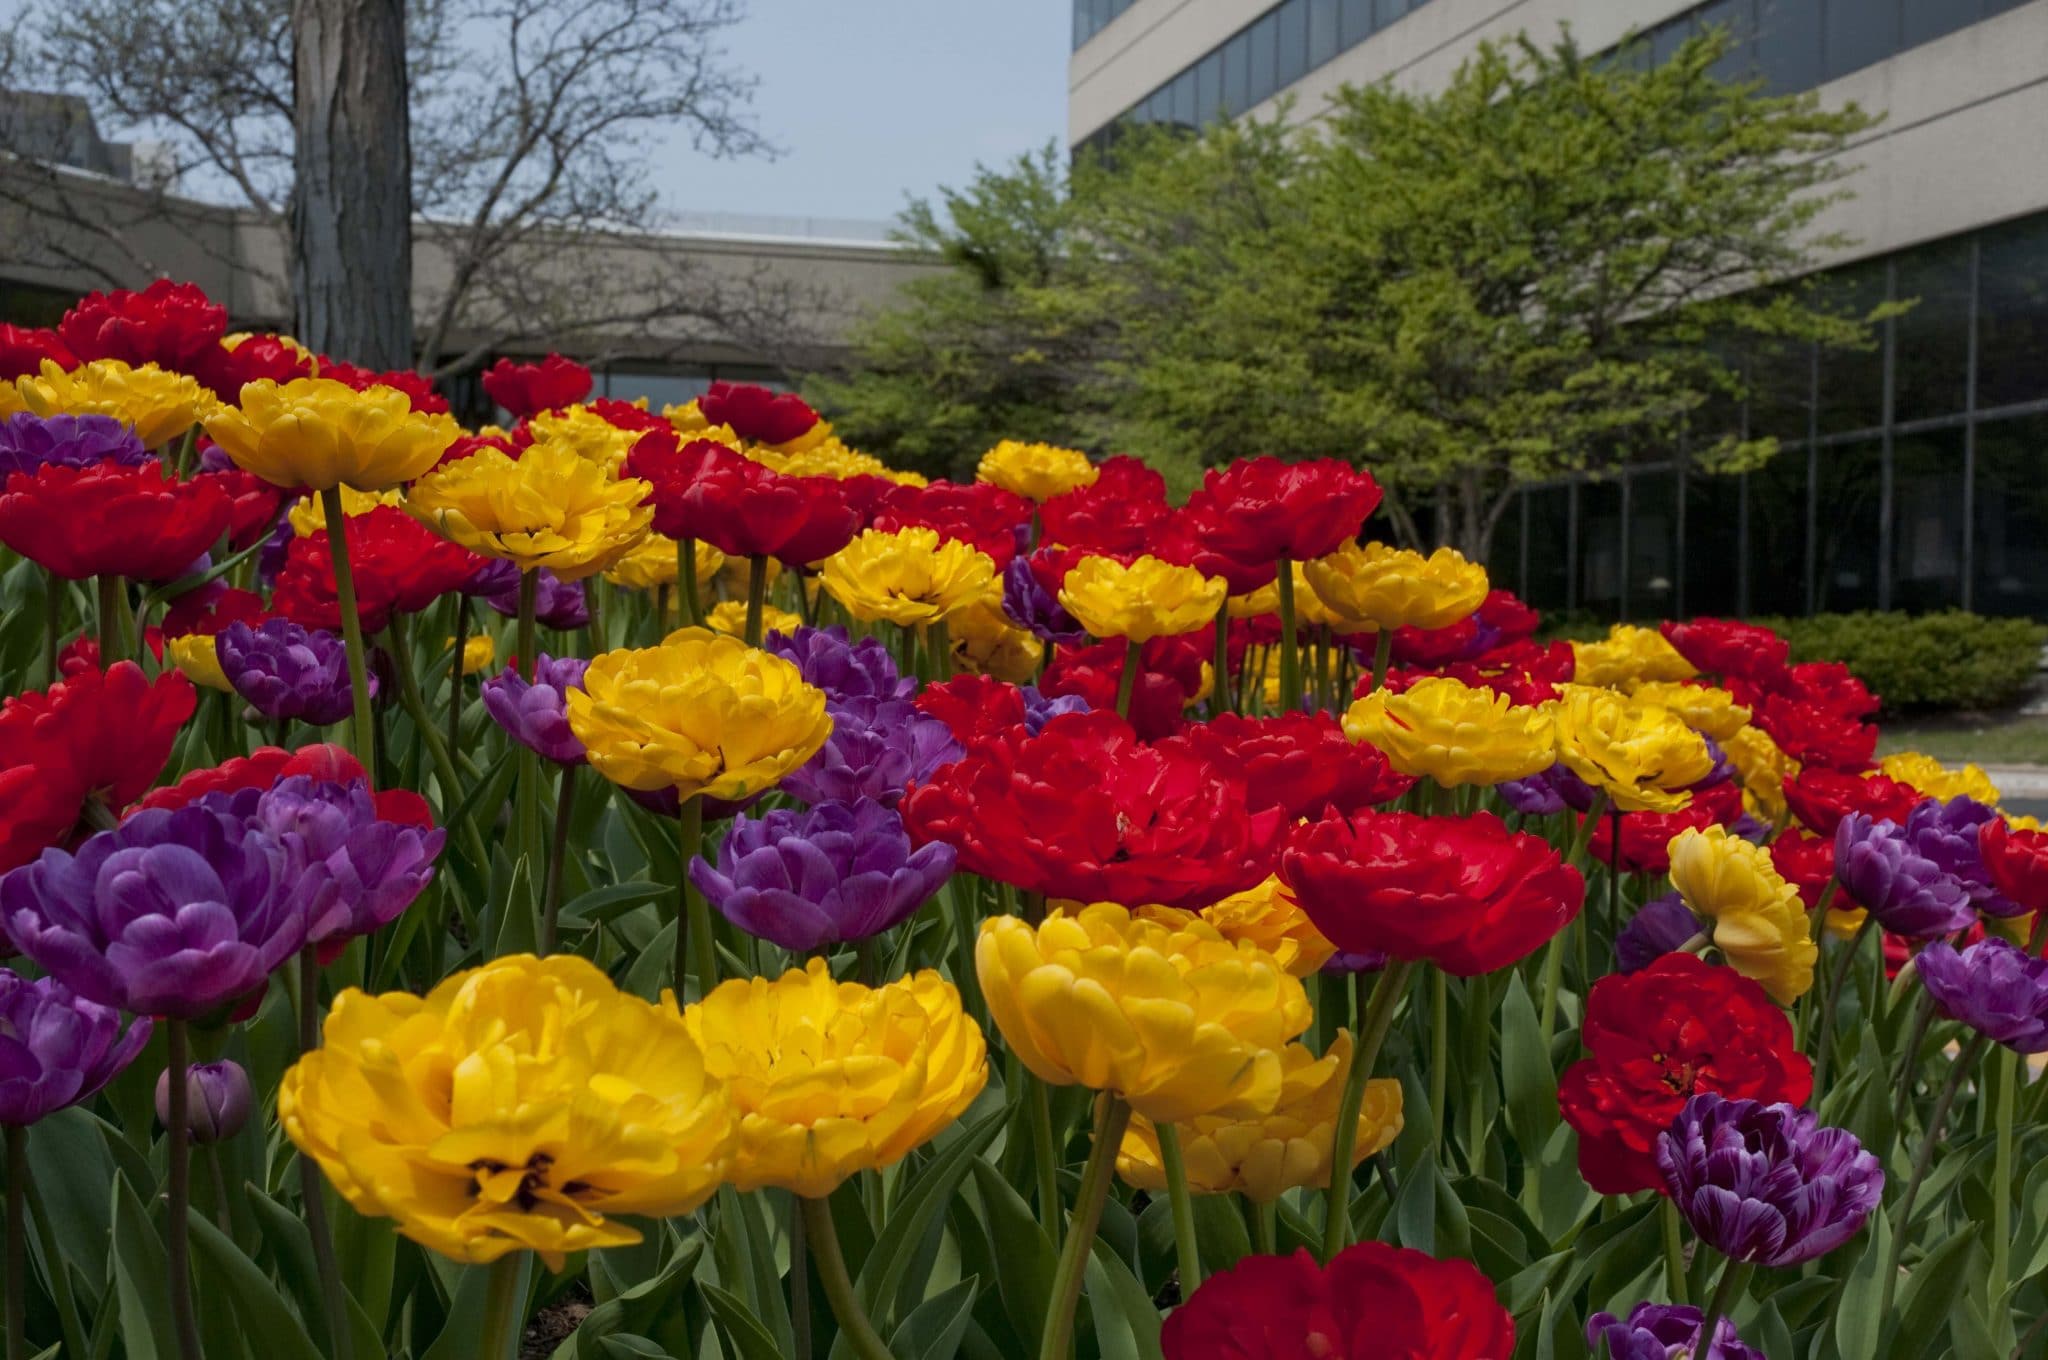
1130,477
979,514
1170,680
22,352
399,565
2017,862
757,413
82,653
978,708
467,444
625,415
1820,798
1814,735
418,388
253,505
1646,836
105,733
1727,647
528,389
1185,539
1656,1037
258,770
1807,862
1429,648
1464,893
1087,811
111,520
227,371
1108,516
1300,763
704,490
1527,673
171,324
1373,1300
211,608
1263,509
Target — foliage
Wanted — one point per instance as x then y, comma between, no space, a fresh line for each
1950,660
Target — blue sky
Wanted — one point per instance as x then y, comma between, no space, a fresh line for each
876,100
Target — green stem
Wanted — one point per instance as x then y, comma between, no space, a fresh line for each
524,641
558,852
686,585
1112,1116
1382,656
941,644
1440,1057
1734,1276
1902,1217
1825,1023
17,1244
2007,1073
1219,692
455,687
1909,1060
178,1251
504,1308
1553,957
822,1235
1127,682
593,603
108,619
363,735
414,702
1377,1016
1674,1250
1045,1153
60,1273
799,1283
966,978
757,596
1290,647
1816,931
55,588
1266,1228
693,923
313,1201
1186,1249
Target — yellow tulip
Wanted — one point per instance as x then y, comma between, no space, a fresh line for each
1266,915
652,562
479,650
195,655
319,434
830,458
1763,767
550,507
831,1078
1706,709
308,516
1036,471
1264,1156
1147,599
701,713
1175,1019
730,616
1759,922
1639,753
1373,586
1937,780
514,1107
1454,733
908,577
986,642
1309,609
1629,654
594,438
161,405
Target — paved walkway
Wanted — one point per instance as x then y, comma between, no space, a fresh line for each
2025,788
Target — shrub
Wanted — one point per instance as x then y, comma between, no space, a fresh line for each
1950,660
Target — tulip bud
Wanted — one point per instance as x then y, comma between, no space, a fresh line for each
217,1100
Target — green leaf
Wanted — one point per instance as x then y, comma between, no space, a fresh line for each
1525,1070
259,1308
882,1273
934,1328
1966,1326
1415,1211
748,1336
140,1278
1859,1325
634,1309
457,1337
609,902
1028,1260
1924,1298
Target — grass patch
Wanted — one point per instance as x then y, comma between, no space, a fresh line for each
1987,739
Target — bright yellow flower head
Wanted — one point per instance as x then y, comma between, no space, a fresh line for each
686,418
1763,767
515,1106
831,1078
479,650
550,507
1759,923
1454,733
701,713
1175,1019
1036,471
1374,586
1639,753
730,617
1145,600
1706,709
830,458
1937,780
1268,916
1627,654
652,562
1309,608
309,517
1264,1156
592,436
986,642
908,577
194,654
161,405
319,433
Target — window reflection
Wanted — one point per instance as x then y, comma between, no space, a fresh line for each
2011,548
1848,490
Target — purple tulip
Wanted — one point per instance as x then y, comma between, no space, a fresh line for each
878,749
1547,793
1766,1184
1881,866
1039,710
1660,926
217,1100
1037,610
1994,987
537,714
1343,963
1723,771
378,867
57,1048
844,670
270,561
1946,833
1659,1331
493,576
28,442
286,671
557,603
838,871
172,913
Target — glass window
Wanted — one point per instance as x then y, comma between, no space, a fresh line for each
1776,499
1931,343
660,389
1858,34
1851,391
1208,88
1652,543
1666,39
1387,11
1355,21
1236,75
2012,312
1293,41
1713,545
1927,521
1322,32
1159,109
2011,551
1848,491
1600,562
1781,390
1264,59
1549,547
1183,90
1788,44
1926,20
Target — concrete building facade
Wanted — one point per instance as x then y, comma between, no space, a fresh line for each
1914,476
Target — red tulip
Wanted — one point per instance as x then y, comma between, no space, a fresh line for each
418,388
1646,836
398,564
528,389
1108,516
111,520
226,371
1728,647
757,413
2017,862
174,325
104,734
1263,509
1169,679
1820,798
980,514
1300,763
23,350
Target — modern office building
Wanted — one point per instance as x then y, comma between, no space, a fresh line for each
1913,476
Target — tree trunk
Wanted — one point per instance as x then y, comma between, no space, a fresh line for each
351,218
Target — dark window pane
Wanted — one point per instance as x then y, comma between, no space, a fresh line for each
1851,394
1236,75
1777,536
2011,550
1788,44
1927,521
1184,99
1293,41
1208,88
1600,548
1504,553
1356,22
1848,488
1928,19
1713,524
1389,10
1858,34
2012,312
1666,38
1549,547
1931,343
1160,106
1322,32
1263,58
1738,19
1781,390
2000,6
1652,544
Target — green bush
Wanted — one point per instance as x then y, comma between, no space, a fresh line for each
1951,660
